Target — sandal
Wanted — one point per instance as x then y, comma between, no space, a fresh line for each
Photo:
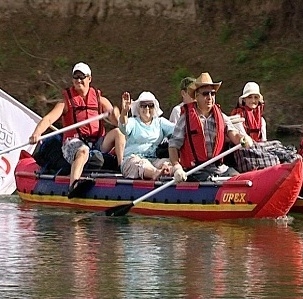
80,187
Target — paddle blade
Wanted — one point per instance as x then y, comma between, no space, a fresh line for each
121,210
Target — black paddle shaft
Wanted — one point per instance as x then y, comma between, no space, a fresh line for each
121,210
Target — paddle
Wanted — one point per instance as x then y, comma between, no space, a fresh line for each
57,132
122,210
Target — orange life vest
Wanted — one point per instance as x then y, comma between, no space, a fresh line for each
300,151
79,109
193,152
253,120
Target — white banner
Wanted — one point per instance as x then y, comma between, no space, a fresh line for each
17,123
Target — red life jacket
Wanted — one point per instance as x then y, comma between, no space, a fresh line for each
253,120
193,152
78,110
300,151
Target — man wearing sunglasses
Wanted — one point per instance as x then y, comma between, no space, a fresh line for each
200,133
81,102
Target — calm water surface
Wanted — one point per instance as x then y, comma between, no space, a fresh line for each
56,253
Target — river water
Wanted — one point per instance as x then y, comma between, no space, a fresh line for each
60,253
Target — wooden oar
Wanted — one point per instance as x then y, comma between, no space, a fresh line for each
122,210
57,132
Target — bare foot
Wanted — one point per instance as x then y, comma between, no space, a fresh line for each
157,174
166,170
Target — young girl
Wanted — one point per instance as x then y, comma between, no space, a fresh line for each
251,106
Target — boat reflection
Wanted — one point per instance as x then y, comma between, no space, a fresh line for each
68,255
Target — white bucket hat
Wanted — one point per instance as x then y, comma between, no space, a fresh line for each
146,96
250,88
83,68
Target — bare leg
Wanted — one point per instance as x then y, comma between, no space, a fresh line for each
78,164
114,139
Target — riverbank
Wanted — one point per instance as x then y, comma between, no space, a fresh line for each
136,50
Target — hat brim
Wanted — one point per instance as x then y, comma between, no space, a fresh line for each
135,111
248,94
80,72
194,86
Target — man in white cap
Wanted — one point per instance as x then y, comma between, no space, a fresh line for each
80,102
200,132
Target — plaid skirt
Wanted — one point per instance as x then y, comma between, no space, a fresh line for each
264,154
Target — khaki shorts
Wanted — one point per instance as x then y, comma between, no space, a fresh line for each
133,166
70,148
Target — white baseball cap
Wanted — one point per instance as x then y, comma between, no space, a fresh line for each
83,68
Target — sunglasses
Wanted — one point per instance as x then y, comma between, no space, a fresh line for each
81,77
206,93
150,106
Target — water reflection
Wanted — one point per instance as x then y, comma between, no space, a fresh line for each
48,253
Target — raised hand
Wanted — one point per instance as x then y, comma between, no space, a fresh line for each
126,102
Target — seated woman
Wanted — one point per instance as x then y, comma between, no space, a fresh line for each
144,131
250,106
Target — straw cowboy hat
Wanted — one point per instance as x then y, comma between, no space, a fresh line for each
146,96
249,89
203,80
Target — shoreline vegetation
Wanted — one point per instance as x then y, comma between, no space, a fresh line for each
235,42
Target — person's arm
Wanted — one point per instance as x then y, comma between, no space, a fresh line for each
237,138
234,135
167,127
173,155
263,129
47,121
186,99
239,126
179,173
125,107
114,111
175,143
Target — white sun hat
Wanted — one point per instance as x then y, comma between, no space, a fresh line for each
146,96
250,88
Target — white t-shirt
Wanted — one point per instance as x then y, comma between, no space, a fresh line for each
175,113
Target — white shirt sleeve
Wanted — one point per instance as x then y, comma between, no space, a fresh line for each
175,114
263,129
